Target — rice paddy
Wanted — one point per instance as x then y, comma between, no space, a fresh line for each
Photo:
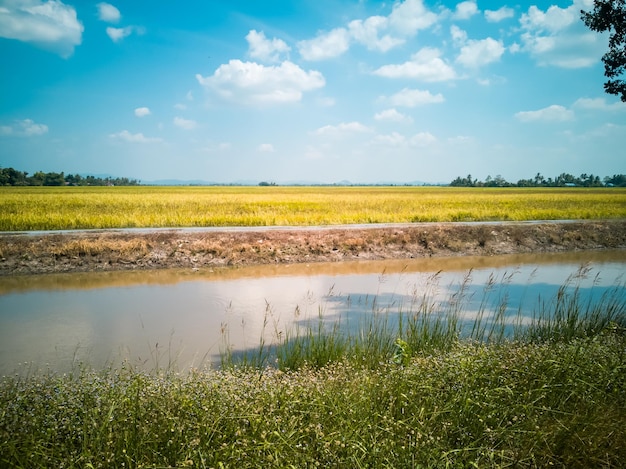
53,208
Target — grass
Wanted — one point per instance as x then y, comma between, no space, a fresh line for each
432,389
403,327
50,208
502,405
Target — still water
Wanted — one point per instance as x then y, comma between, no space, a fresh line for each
187,318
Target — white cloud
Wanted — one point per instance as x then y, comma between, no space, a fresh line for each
393,139
117,34
554,113
459,37
554,19
425,65
475,53
599,104
266,148
142,111
606,130
412,97
495,16
482,52
558,37
326,45
180,106
186,124
484,81
465,10
461,140
24,128
392,115
253,83
367,33
341,129
326,102
126,136
212,147
410,16
264,49
108,13
50,25
423,139
378,33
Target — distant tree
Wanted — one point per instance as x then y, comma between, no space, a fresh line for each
54,179
12,177
37,179
464,182
565,179
499,181
610,15
539,179
74,179
456,182
618,180
589,180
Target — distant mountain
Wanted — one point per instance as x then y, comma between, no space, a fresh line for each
179,182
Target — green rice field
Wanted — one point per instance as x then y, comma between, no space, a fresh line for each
52,208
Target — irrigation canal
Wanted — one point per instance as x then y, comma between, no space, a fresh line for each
183,319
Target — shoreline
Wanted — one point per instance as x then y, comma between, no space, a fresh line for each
26,253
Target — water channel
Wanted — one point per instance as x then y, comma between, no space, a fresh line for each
187,318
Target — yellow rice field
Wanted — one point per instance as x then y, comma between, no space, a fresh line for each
51,208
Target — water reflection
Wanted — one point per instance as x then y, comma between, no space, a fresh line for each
184,317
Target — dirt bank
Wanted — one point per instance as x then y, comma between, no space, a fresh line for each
125,250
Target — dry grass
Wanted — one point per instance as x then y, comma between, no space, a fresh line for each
93,247
39,253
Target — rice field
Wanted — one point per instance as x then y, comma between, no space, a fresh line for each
53,208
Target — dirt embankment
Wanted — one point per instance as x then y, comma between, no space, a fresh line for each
124,250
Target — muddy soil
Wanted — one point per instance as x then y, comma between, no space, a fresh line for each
22,254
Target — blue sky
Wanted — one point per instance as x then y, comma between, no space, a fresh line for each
308,90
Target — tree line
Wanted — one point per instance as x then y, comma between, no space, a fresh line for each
562,180
13,177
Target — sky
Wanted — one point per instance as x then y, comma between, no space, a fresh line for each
317,91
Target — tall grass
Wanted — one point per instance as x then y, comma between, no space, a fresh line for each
558,404
49,208
397,332
568,315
